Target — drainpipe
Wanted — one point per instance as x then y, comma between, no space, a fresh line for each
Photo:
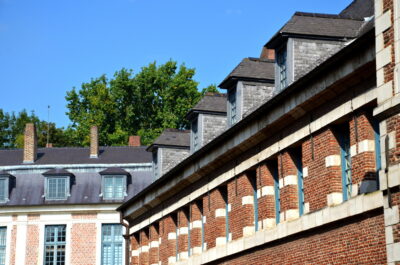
126,237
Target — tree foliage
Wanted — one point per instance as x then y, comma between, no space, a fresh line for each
144,104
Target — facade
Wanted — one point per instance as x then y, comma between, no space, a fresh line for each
57,205
307,175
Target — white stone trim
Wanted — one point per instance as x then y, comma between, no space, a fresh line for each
221,212
281,184
196,224
204,219
21,240
154,244
354,190
220,241
171,236
305,172
248,230
352,207
292,214
332,161
366,146
385,93
196,250
290,180
229,207
382,23
267,223
391,215
135,253
306,207
171,259
389,234
334,198
184,255
378,8
393,252
183,230
144,248
353,150
383,57
267,190
248,200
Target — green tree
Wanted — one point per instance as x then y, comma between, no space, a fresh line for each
144,104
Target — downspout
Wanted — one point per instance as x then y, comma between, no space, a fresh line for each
126,237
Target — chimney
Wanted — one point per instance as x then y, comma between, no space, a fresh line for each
49,145
94,142
267,54
30,143
134,140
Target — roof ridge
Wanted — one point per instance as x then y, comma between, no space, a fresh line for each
323,15
263,60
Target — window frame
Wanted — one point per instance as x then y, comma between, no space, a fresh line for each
113,243
114,177
67,191
5,189
195,134
233,110
281,62
56,243
3,244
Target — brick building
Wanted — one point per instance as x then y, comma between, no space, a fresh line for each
57,205
306,170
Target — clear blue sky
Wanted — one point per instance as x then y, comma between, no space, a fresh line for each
47,46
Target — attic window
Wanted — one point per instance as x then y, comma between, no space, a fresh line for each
282,67
57,184
114,183
3,189
232,112
195,135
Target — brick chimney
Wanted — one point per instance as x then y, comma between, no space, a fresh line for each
94,142
267,54
49,145
134,140
30,143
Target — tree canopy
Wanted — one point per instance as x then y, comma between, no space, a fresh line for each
144,104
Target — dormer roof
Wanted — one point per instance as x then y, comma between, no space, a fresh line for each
172,138
252,69
211,103
315,25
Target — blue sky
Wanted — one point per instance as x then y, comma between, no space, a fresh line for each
47,47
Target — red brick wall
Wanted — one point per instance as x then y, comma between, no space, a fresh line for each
363,164
240,215
167,247
32,245
183,222
395,200
154,236
321,180
196,215
13,242
214,227
361,241
135,247
388,39
266,204
83,244
289,193
144,242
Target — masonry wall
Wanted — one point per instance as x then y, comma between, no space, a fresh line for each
170,157
211,126
355,241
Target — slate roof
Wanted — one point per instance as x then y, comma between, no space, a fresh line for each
78,155
173,138
322,25
114,171
86,189
255,69
210,103
57,172
359,9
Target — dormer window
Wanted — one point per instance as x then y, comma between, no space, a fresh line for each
7,181
155,164
57,184
282,68
114,184
195,135
232,111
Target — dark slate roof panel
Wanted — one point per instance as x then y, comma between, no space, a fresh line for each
322,25
86,189
173,137
57,172
211,102
359,9
252,68
114,171
78,155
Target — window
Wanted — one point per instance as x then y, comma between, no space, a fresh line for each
3,190
344,142
111,244
195,135
299,165
273,167
54,245
232,106
3,236
155,164
114,187
252,175
57,188
282,67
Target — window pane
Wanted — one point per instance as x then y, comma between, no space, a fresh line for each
57,188
3,236
111,244
3,190
118,187
54,253
114,187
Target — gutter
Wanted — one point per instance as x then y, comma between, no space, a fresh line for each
126,238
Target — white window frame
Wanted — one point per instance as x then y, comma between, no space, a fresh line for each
5,189
67,188
112,242
124,183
